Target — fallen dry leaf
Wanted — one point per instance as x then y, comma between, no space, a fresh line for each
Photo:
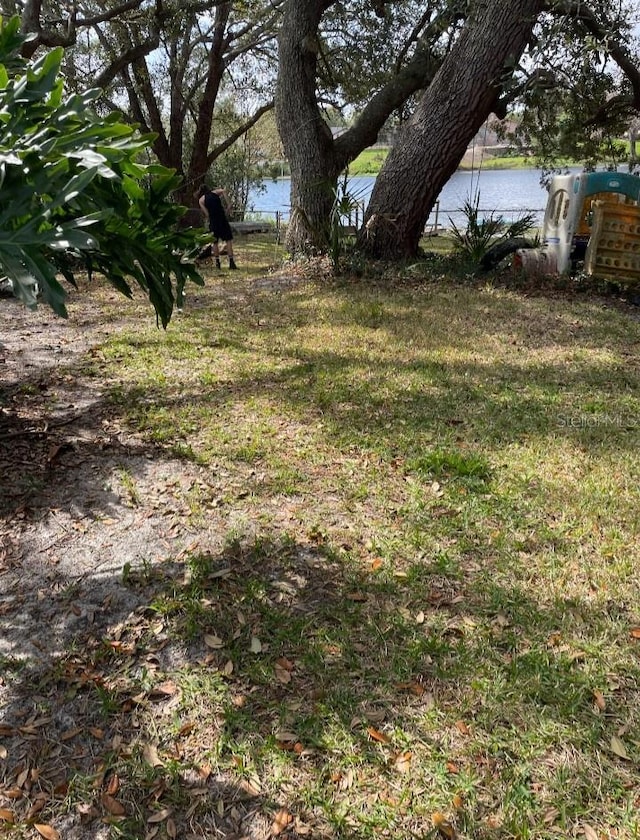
70,733
87,811
115,808
635,633
212,641
204,771
7,815
281,821
160,816
378,736
186,728
256,645
403,762
54,451
165,689
443,825
589,833
252,785
462,727
619,748
37,806
47,831
113,785
150,755
343,780
599,700
282,674
412,687
172,831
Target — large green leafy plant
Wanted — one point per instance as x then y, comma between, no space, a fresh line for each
484,233
74,195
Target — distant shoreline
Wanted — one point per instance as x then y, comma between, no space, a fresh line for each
370,161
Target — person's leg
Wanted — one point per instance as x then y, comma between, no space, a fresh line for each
216,252
232,262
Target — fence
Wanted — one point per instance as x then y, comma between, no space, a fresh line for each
440,219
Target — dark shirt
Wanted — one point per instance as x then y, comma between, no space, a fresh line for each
218,222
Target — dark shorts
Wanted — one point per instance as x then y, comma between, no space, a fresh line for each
221,229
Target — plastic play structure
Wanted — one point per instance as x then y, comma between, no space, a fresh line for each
591,217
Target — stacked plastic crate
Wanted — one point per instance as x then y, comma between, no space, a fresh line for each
614,247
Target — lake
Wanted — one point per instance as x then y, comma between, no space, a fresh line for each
506,192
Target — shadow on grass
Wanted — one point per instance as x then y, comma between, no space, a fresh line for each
321,681
400,410
433,406
393,408
279,676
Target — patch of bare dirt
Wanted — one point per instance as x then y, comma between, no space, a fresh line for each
73,534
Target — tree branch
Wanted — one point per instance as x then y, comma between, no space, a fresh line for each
242,129
417,74
129,57
584,15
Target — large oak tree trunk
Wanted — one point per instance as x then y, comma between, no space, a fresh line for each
315,157
461,97
307,140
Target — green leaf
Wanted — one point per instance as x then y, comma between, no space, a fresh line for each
72,182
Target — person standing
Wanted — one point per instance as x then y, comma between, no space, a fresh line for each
210,203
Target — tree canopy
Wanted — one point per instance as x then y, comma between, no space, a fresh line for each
583,51
168,66
571,77
579,89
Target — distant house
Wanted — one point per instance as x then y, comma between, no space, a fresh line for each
491,135
488,137
385,139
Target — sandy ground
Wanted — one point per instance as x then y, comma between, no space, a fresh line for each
68,532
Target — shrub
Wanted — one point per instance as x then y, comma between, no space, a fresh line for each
74,193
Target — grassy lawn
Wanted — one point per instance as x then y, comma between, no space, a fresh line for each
424,621
370,162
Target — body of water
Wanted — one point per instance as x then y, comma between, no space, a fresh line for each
509,193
